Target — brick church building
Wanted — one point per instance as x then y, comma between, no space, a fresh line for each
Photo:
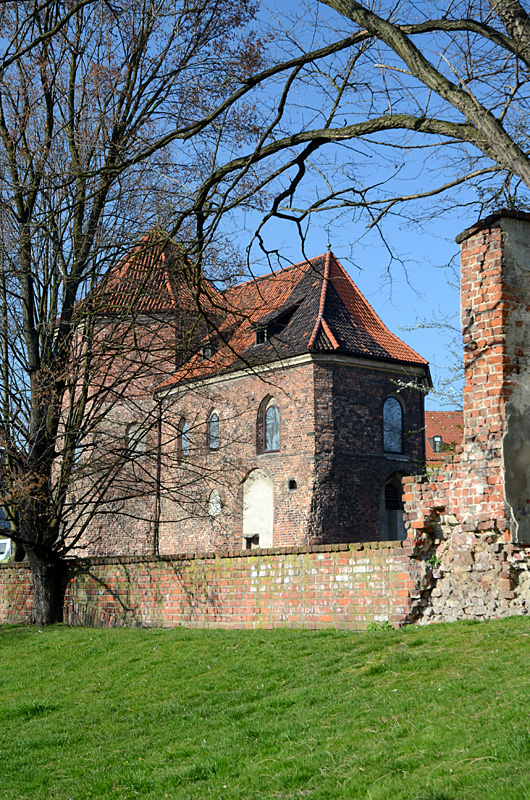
284,414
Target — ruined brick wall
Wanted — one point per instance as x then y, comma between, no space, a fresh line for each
472,518
341,586
476,486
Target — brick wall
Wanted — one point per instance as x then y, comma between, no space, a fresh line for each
328,475
477,487
342,586
187,482
473,517
359,467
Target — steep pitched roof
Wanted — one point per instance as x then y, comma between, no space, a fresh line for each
310,307
153,278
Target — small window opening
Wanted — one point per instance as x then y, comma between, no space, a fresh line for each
392,500
261,336
5,549
292,484
184,439
207,351
392,426
437,444
215,505
136,436
213,432
251,542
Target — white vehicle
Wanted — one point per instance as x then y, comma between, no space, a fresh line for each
5,549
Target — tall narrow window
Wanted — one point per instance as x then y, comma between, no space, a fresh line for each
272,429
392,426
213,432
183,438
215,505
392,525
136,435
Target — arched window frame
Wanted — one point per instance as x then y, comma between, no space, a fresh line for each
183,441
215,504
135,440
271,428
393,428
391,508
213,431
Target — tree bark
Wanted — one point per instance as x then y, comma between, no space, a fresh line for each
47,577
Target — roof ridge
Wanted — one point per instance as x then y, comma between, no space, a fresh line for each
268,275
329,334
369,310
323,294
307,262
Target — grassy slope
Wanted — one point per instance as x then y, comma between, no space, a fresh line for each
439,713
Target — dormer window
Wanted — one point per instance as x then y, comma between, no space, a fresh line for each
261,335
207,351
437,444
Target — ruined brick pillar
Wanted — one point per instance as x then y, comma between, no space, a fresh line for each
495,461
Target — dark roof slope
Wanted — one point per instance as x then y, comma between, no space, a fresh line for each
313,306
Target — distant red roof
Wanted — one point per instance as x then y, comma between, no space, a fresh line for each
444,429
313,306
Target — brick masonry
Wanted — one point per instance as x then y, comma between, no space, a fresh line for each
342,586
467,554
471,518
331,451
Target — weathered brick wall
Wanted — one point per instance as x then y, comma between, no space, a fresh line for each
331,450
473,517
342,586
353,486
473,486
185,525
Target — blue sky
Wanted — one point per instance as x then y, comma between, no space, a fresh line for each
407,271
410,297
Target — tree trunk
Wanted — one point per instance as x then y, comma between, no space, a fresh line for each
47,576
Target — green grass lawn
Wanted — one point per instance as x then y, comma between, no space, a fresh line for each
438,713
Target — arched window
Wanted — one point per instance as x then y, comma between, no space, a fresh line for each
392,524
136,435
392,426
183,443
215,505
271,429
213,431
258,510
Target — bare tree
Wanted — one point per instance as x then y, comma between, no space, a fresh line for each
112,116
442,84
93,99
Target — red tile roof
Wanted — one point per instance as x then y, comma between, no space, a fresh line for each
447,424
152,278
313,306
310,307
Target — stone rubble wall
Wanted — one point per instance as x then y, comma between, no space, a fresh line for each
468,574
